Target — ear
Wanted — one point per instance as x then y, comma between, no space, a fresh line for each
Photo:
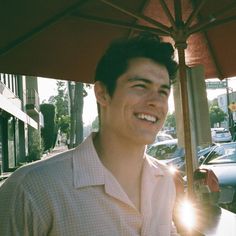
101,93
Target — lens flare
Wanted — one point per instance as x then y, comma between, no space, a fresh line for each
187,214
172,169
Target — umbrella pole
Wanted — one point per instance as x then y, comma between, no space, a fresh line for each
186,120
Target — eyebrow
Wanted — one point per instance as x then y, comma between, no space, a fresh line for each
133,79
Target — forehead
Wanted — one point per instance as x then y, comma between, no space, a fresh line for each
147,69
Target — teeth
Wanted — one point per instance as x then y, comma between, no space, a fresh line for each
147,117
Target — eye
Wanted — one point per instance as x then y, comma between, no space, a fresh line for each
142,86
164,93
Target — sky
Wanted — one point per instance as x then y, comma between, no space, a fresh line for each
47,88
213,93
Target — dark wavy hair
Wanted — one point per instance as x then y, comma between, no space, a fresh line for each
115,60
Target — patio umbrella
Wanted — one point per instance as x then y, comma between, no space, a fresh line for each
63,39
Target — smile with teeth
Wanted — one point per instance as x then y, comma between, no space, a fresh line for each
150,118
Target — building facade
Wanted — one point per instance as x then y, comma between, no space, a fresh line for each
224,101
19,118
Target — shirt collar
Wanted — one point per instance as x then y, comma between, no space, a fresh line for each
88,169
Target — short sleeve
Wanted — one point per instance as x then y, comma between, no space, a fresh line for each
18,214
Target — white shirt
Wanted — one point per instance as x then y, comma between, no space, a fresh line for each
74,194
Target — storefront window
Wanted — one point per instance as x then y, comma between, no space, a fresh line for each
17,141
1,151
11,143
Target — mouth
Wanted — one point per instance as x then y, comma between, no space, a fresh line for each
149,118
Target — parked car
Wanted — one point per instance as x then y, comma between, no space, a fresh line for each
222,161
220,135
173,155
203,152
161,136
168,152
171,132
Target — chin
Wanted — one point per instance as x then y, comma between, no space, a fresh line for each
144,136
148,140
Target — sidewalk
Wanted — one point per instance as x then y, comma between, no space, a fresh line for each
56,150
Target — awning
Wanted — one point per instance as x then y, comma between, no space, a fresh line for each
15,111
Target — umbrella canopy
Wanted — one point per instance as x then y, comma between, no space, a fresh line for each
63,39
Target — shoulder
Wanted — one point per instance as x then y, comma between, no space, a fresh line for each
54,170
173,176
41,170
159,169
159,166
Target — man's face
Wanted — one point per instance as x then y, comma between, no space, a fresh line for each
138,107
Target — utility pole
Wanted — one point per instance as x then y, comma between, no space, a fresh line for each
230,116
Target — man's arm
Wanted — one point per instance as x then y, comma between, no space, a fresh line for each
18,214
173,230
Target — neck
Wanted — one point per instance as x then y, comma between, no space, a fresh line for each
124,161
118,155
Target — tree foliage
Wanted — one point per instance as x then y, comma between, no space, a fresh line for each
170,120
49,131
69,110
95,124
35,147
79,98
61,103
217,115
77,93
61,99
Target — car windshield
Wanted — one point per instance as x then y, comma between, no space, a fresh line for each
222,154
165,152
221,132
223,159
161,138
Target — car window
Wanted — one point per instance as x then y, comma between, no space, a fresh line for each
165,152
224,159
163,137
222,132
222,153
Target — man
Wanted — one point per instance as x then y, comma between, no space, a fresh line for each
108,185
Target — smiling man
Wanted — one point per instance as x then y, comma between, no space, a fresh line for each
107,185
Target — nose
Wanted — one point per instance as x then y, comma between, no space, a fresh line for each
157,100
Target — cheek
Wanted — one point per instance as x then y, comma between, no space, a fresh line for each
164,103
165,108
128,100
